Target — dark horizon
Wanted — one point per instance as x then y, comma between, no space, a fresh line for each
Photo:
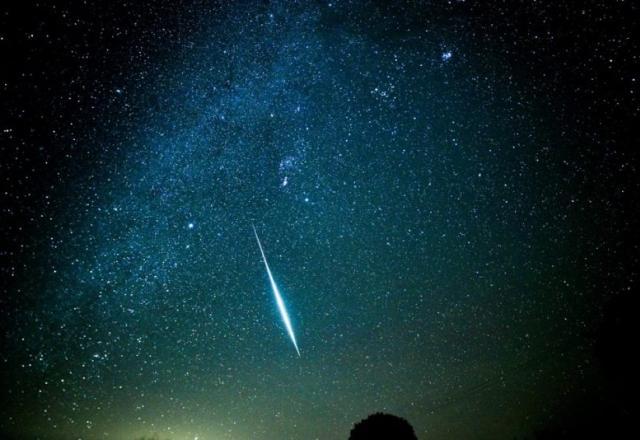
445,192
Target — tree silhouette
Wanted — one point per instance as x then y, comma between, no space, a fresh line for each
381,426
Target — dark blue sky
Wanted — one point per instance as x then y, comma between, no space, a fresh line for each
442,191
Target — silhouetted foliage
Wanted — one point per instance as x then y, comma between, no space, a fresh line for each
380,426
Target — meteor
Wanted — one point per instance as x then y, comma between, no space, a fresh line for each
276,293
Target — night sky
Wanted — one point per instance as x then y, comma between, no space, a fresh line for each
445,193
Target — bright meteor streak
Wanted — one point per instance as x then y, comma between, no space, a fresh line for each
276,293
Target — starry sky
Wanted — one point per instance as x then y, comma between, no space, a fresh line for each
444,192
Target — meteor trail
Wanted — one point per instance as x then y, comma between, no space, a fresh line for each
276,293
